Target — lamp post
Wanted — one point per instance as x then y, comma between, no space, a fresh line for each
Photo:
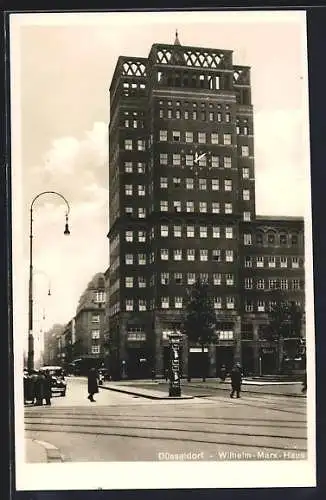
30,359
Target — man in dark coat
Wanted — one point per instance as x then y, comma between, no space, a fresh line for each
39,389
236,378
47,387
92,384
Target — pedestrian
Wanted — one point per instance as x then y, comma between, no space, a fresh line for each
47,387
304,383
166,373
92,385
39,388
236,379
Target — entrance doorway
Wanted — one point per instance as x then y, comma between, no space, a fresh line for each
224,356
198,363
268,361
138,365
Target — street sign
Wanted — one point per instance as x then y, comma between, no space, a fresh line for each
175,388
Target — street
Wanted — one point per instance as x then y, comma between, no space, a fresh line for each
121,427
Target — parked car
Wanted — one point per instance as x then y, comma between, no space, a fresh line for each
59,385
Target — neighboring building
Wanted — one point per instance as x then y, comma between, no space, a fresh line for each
52,345
87,347
182,194
68,340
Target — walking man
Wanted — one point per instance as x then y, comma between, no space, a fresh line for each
47,392
236,379
92,385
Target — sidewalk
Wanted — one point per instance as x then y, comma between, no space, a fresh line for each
140,391
41,452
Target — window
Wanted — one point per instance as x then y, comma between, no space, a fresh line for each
227,162
202,162
141,190
211,116
230,302
129,282
247,239
229,280
214,138
161,113
141,236
189,183
95,334
219,117
141,145
141,282
164,231
95,349
296,284
245,173
229,233
244,150
248,283
176,135
141,168
215,162
189,160
259,261
129,259
217,279
177,231
163,158
100,297
163,135
201,137
284,284
216,255
248,261
186,115
249,307
142,305
246,216
169,113
215,207
283,262
246,195
128,189
189,137
129,210
178,302
165,303
164,254
129,235
178,114
260,306
189,206
259,239
126,123
191,278
295,262
283,240
228,185
177,254
271,238
203,232
164,206
190,254
190,231
217,303
95,318
165,278
142,259
228,208
194,115
273,284
163,182
216,232
260,284
271,261
245,130
227,139
202,184
176,159
177,206
129,305
203,206
141,213
215,184
178,278
294,239
227,117
128,167
128,144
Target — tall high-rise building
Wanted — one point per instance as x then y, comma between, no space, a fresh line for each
182,185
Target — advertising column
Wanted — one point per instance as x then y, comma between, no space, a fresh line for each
175,387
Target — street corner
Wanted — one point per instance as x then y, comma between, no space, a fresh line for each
38,451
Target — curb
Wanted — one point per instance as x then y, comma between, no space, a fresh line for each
52,452
146,396
252,391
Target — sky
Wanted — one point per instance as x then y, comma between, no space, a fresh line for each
62,67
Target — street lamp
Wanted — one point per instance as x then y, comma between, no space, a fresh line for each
30,359
44,274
